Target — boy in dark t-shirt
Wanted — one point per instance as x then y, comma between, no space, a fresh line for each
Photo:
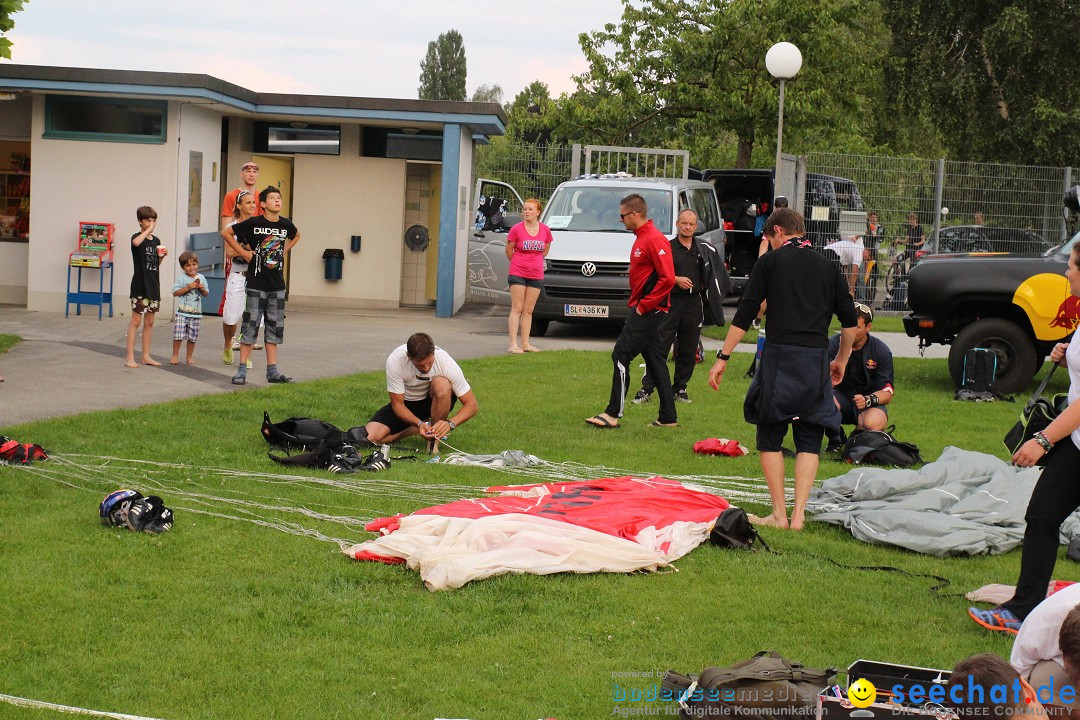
146,254
262,242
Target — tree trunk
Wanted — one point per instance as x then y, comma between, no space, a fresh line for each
742,158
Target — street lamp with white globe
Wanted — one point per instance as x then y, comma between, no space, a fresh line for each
783,61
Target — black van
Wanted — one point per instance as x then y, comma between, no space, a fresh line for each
747,194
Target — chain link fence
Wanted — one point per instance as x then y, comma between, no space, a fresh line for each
532,170
957,206
926,206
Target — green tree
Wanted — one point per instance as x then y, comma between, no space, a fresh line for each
443,70
7,9
691,73
488,94
532,116
990,78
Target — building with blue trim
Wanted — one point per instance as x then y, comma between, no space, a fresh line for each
359,174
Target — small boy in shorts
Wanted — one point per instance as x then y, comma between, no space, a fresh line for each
263,242
146,254
190,288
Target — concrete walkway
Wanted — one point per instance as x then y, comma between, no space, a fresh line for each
71,365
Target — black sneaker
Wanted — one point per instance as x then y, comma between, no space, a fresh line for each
642,397
375,462
681,396
836,444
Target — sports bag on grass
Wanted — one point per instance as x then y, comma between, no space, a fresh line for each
733,529
768,686
1036,416
979,376
877,447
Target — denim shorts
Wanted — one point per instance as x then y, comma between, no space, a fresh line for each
527,282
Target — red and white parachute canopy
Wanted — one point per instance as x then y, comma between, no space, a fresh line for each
608,525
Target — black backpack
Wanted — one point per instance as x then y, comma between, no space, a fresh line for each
321,444
301,433
877,447
980,371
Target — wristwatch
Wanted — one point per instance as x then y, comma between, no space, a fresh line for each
721,356
451,424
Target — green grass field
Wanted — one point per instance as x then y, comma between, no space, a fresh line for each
223,618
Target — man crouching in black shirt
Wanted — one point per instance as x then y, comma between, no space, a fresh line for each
793,384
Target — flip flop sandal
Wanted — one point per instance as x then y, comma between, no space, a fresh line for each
602,423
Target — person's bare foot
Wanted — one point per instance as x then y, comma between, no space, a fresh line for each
190,362
151,361
515,350
798,522
174,361
775,521
131,364
603,421
530,348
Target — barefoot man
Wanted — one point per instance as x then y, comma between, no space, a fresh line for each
793,384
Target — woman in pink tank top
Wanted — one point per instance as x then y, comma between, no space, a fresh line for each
527,245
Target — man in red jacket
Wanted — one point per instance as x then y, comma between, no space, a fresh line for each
652,275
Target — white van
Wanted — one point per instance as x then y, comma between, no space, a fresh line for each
586,274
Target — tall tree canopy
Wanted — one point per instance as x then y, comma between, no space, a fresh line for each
7,9
692,73
993,78
443,70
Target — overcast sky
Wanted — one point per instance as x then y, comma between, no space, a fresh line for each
330,47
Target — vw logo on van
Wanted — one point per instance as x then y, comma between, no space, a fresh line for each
588,269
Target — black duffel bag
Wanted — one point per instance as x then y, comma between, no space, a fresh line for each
1036,416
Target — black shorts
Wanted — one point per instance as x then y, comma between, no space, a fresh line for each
527,282
420,408
807,436
849,414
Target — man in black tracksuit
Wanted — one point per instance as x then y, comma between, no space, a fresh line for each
793,384
701,281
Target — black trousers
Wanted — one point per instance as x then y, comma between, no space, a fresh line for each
1056,496
641,336
683,327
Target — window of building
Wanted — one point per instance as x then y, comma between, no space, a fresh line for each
71,117
297,138
410,144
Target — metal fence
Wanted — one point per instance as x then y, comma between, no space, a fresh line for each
640,162
959,206
533,170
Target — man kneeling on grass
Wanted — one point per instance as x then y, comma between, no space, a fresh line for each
424,383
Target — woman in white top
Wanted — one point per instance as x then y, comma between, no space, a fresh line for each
1056,495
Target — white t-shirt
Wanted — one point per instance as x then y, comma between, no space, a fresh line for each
1038,636
402,377
1072,359
850,251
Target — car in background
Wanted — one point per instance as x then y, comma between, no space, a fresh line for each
985,239
586,272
